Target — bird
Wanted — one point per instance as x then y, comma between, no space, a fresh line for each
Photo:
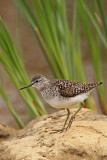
63,94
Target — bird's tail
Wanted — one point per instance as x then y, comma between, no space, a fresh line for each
98,83
93,85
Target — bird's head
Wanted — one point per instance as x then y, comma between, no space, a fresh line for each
38,82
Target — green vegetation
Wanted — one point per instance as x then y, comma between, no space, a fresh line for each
12,64
60,45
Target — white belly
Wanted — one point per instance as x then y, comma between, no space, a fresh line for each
68,102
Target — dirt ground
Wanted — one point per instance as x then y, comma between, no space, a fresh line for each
85,140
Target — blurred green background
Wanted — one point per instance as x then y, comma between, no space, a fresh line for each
57,38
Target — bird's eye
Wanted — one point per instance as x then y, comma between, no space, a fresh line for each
36,81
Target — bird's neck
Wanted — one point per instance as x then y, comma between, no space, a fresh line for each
43,85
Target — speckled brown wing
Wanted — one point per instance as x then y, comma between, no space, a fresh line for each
70,89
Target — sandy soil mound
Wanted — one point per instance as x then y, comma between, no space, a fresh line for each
85,140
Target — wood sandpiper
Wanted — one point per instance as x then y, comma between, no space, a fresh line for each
63,94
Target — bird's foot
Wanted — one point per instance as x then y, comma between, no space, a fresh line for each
58,130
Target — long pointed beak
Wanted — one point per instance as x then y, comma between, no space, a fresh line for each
26,86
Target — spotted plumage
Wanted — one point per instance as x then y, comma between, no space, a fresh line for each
68,88
56,92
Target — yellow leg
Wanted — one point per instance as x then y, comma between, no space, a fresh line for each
63,128
66,119
73,116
